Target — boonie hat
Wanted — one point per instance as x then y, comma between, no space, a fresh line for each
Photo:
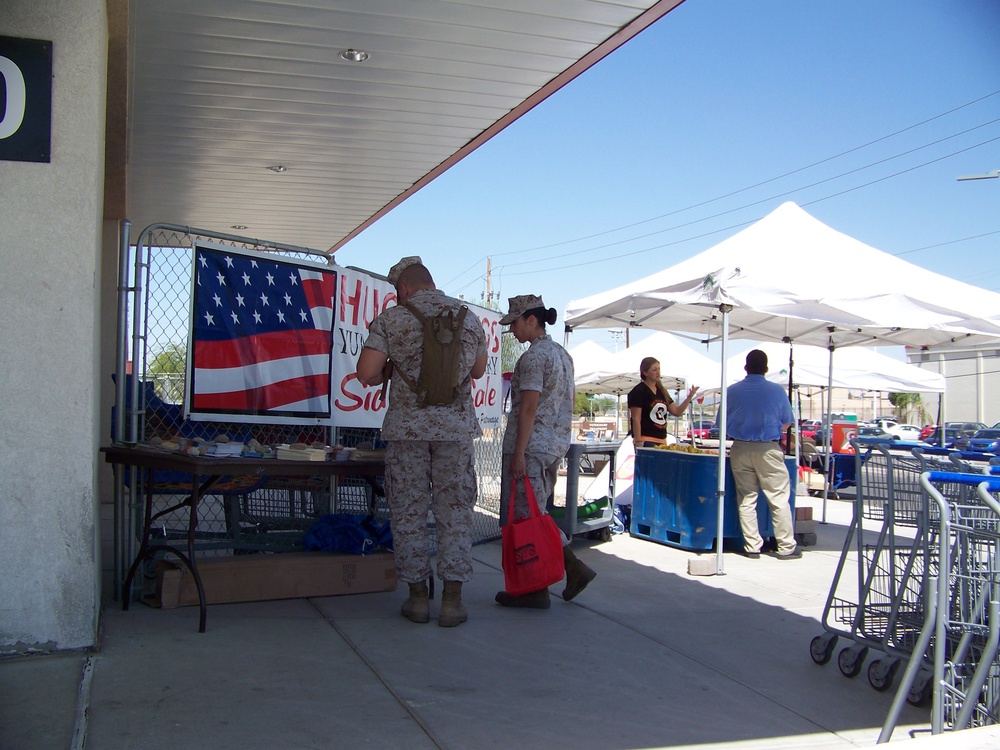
518,306
396,270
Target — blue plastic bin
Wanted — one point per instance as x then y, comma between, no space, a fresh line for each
674,500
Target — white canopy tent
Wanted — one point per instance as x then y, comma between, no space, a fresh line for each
749,287
679,365
856,368
854,294
589,360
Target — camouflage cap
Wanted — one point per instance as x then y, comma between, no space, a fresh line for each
409,260
518,306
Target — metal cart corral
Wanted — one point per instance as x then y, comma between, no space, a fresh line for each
570,523
878,596
961,632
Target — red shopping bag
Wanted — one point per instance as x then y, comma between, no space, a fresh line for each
531,548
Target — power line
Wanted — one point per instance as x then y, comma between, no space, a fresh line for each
745,189
782,176
949,242
750,205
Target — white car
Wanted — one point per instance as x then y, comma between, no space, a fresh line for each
907,432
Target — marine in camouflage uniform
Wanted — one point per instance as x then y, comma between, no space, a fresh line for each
542,390
548,369
430,460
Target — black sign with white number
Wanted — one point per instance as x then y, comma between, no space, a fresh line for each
25,99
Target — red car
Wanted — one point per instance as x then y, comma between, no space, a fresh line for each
699,429
808,427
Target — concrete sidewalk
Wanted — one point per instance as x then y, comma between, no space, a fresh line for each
646,657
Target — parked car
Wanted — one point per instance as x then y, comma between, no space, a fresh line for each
885,423
985,441
951,435
907,432
699,429
956,434
808,427
864,430
869,431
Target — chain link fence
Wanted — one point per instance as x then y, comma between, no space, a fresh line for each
240,517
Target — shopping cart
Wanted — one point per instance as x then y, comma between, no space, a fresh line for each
877,598
961,633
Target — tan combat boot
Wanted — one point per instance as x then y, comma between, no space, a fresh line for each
453,612
418,607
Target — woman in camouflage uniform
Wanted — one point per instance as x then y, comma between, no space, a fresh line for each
538,433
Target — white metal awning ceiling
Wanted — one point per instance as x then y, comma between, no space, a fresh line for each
221,90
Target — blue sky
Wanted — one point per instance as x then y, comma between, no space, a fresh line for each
863,112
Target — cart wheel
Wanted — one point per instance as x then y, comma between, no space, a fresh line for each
882,672
920,692
821,647
606,534
851,659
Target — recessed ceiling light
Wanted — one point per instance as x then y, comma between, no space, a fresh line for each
354,55
278,168
238,226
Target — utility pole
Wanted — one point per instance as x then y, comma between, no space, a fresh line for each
489,293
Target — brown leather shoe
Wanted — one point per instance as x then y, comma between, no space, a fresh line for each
534,600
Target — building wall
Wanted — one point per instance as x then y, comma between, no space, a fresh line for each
50,241
973,378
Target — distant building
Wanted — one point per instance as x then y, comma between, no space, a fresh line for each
973,377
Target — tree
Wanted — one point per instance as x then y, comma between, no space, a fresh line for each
167,370
510,351
904,403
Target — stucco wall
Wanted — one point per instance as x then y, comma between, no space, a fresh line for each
50,243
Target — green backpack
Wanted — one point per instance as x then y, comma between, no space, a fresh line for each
438,382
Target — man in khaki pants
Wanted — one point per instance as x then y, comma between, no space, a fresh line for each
757,413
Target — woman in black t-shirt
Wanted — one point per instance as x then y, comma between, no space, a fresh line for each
650,406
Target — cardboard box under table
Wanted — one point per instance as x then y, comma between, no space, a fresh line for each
285,575
674,500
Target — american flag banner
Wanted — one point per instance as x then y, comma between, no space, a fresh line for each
262,334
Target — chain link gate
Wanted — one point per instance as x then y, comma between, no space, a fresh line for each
244,517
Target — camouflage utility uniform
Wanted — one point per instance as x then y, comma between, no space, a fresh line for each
430,460
547,368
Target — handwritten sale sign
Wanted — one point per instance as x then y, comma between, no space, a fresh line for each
360,299
487,392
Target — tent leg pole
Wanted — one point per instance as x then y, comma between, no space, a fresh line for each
827,429
721,483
